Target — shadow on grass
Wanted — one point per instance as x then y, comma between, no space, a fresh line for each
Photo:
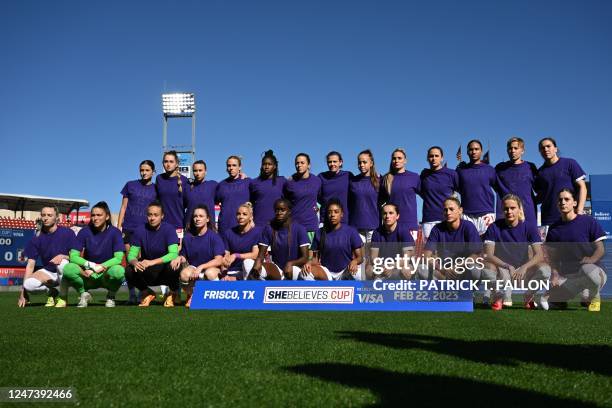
402,389
581,357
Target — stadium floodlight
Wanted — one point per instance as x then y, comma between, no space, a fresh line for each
178,104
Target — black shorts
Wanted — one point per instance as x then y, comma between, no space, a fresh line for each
127,235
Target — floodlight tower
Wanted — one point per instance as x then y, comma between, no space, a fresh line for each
180,105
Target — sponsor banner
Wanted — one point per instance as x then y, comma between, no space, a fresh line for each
83,217
12,244
11,276
330,295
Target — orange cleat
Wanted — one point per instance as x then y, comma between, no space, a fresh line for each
497,305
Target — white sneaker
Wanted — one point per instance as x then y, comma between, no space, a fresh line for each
507,303
110,302
85,299
543,303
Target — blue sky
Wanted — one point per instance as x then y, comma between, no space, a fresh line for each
81,83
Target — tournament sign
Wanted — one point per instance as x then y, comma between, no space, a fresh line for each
12,245
393,295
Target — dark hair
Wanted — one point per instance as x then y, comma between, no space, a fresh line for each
395,207
104,207
333,153
156,203
210,224
570,191
179,182
474,141
202,162
303,154
235,158
51,206
374,179
553,141
277,226
148,163
436,147
269,154
329,203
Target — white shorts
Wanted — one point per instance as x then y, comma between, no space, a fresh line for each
427,227
366,236
343,275
482,222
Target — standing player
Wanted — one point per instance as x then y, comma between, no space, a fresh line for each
437,183
334,183
266,189
201,191
363,197
513,251
576,248
388,241
288,243
241,243
202,252
302,190
337,251
231,193
172,192
137,195
95,259
517,177
477,181
153,246
52,246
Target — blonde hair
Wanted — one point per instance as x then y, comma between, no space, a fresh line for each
518,140
518,202
249,206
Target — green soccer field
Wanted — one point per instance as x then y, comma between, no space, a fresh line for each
144,357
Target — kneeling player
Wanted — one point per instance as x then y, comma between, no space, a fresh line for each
241,244
337,249
52,246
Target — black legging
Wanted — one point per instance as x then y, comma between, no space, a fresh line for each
153,276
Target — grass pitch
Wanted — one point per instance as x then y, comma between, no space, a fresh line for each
129,356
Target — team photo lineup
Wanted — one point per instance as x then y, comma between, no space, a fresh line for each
270,227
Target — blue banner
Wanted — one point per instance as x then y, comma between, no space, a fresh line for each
332,295
12,245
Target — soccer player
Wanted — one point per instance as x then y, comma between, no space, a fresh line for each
388,241
266,189
363,197
52,245
477,181
288,243
554,175
157,244
241,243
302,190
201,192
95,259
517,176
576,248
231,193
456,244
513,249
334,183
172,192
401,187
437,183
336,251
202,252
137,195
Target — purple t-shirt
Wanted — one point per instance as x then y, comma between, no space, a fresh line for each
302,194
139,197
363,203
99,247
404,189
334,185
235,242
153,243
448,243
173,201
390,243
48,245
476,184
337,251
437,186
231,194
551,179
574,240
200,249
512,243
201,193
282,248
263,195
517,179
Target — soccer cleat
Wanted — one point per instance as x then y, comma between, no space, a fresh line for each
53,293
543,304
59,302
497,305
595,305
170,298
188,302
507,303
585,303
110,302
146,300
528,302
85,299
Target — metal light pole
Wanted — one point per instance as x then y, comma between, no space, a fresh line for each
180,105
